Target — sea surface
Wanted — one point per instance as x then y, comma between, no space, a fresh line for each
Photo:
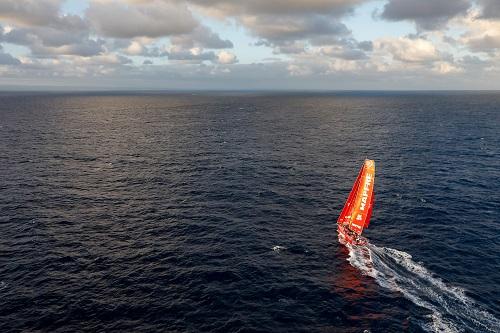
215,212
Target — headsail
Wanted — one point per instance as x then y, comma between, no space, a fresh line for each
358,207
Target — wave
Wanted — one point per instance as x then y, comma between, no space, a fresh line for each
451,310
278,248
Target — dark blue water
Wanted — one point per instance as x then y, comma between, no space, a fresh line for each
216,212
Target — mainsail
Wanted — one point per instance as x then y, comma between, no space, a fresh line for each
358,207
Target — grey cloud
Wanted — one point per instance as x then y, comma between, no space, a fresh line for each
324,40
46,36
190,56
349,54
51,42
279,7
427,14
149,19
124,60
348,49
69,30
85,48
473,61
491,9
288,28
485,43
30,12
262,42
290,48
450,40
65,35
201,37
353,55
280,23
366,45
117,43
153,52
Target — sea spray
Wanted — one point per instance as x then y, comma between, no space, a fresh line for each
451,310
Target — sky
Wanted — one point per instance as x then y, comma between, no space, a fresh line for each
249,45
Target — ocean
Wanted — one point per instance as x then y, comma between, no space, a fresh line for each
216,212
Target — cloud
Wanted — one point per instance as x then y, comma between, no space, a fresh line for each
289,28
343,53
84,48
289,47
305,72
281,23
484,43
41,27
480,35
67,39
226,58
491,9
277,7
408,50
427,14
347,49
155,18
195,54
30,12
172,44
135,48
201,36
444,67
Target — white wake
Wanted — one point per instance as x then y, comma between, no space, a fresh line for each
451,310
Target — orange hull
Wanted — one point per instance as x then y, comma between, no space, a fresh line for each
356,214
350,238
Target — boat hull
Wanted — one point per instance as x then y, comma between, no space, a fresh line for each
350,237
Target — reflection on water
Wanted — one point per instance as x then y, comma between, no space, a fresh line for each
159,212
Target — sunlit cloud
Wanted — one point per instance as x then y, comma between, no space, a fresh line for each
231,44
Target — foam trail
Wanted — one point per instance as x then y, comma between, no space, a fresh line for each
451,310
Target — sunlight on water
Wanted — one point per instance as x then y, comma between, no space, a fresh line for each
214,212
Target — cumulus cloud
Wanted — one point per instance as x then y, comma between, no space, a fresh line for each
47,41
174,42
285,24
226,58
405,49
480,35
30,12
69,36
201,37
427,14
135,48
155,18
444,67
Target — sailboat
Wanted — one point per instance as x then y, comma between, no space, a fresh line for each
357,211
